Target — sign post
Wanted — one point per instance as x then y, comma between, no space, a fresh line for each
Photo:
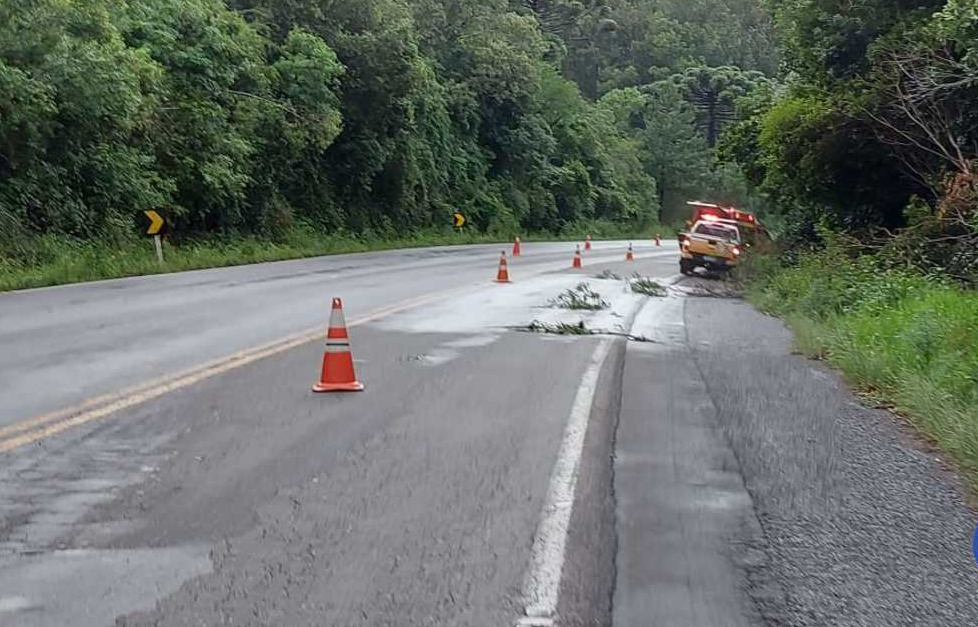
159,248
156,223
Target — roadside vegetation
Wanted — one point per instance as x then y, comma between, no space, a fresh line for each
906,339
263,129
58,259
867,156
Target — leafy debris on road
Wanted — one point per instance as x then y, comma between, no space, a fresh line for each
607,275
702,290
577,328
559,328
581,297
646,286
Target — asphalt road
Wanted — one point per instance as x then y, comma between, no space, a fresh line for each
67,344
163,462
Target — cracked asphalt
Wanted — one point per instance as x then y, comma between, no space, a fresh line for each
723,481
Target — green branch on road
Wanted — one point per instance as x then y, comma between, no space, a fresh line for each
577,328
581,297
647,287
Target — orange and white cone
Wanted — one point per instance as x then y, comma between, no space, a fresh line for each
629,256
587,243
503,275
338,374
517,251
577,258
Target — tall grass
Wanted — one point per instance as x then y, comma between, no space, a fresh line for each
53,260
905,338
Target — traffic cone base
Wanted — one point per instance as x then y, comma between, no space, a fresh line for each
356,386
337,374
577,259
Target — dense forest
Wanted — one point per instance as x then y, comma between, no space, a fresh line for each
379,118
871,129
367,116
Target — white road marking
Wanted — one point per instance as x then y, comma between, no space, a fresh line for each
542,584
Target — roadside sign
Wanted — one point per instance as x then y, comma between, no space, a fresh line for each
156,222
459,220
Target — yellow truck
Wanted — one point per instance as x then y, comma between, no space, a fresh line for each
710,244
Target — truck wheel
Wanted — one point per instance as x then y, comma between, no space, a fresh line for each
685,266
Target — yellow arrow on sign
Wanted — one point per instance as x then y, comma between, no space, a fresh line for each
155,222
459,220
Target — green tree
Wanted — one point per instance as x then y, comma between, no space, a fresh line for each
673,152
829,40
75,106
714,92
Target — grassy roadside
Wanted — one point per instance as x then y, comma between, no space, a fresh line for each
908,341
56,260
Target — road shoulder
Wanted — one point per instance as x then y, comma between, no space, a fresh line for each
685,523
863,526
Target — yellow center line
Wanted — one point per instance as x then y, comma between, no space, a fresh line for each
52,423
46,425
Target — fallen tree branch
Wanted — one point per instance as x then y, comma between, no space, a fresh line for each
566,328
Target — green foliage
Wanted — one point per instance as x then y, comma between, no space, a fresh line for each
828,40
714,92
662,123
374,117
878,110
581,297
646,286
905,338
630,43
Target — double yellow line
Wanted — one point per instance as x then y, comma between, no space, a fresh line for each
46,425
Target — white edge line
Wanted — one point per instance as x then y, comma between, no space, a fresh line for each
542,583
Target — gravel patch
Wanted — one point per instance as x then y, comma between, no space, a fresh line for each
863,525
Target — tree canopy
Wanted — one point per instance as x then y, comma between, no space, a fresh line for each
875,127
365,116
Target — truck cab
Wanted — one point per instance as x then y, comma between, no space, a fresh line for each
714,245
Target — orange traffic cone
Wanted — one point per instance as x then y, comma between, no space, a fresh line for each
503,275
577,258
587,243
658,240
338,375
629,256
516,248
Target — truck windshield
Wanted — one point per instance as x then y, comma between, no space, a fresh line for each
717,231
